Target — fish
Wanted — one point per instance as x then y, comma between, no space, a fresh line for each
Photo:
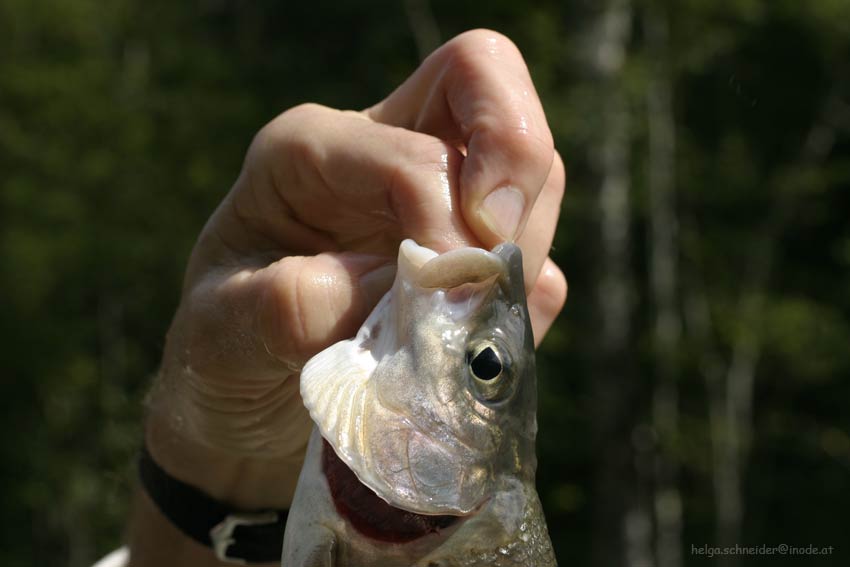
423,449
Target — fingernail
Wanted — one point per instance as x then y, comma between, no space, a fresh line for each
377,282
502,211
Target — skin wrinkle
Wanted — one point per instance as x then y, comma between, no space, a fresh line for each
250,390
393,194
298,318
297,156
235,405
295,217
486,124
257,326
249,414
400,183
255,222
317,161
227,254
300,159
524,144
353,199
389,213
239,212
544,144
270,312
457,103
404,173
313,290
328,294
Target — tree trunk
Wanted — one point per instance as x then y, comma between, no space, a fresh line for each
731,385
663,284
618,533
423,26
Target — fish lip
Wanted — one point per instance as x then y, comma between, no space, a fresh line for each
414,255
427,269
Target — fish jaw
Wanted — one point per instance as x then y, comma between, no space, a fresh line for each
397,402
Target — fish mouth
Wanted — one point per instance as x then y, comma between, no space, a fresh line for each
466,276
371,515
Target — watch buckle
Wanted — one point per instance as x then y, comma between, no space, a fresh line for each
221,534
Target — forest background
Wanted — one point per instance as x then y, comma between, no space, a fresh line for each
693,393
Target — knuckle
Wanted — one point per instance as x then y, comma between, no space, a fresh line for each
422,157
472,53
407,177
482,39
283,147
303,113
533,150
282,132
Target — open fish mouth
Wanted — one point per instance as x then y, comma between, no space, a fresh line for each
371,515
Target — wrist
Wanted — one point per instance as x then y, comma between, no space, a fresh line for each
248,482
155,542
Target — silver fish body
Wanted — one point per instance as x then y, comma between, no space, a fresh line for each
423,450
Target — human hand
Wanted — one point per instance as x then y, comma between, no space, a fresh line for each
304,244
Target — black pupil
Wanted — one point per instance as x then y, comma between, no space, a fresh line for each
486,364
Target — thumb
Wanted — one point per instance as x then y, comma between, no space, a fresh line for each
310,303
266,323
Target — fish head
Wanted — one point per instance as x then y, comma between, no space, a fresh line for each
433,403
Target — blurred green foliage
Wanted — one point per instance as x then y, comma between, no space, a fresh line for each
123,123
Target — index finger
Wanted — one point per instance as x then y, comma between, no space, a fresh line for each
476,91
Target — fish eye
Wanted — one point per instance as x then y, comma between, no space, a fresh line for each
489,366
486,365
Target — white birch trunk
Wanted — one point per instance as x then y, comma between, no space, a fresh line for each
663,284
622,526
423,26
731,385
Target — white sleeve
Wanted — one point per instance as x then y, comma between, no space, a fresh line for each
117,558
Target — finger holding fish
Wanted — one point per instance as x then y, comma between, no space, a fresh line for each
546,300
327,200
476,92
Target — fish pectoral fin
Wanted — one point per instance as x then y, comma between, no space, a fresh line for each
316,550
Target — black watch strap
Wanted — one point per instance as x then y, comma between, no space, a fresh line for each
235,536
